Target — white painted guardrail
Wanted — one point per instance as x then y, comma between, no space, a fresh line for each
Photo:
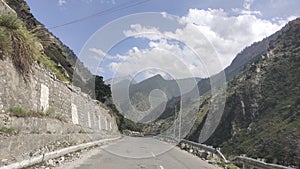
55,154
254,163
216,151
247,162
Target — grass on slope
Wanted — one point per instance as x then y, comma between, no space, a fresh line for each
22,46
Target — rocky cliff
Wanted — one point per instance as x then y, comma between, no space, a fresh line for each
262,113
61,54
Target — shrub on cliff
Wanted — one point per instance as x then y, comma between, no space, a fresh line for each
17,42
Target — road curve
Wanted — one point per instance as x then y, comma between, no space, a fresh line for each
140,153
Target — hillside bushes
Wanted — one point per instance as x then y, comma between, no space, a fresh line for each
17,42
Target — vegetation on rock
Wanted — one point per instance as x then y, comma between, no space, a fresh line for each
262,114
22,46
17,42
61,60
50,112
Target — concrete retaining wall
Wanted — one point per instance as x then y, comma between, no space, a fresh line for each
86,119
42,91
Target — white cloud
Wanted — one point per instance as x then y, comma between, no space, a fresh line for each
283,21
205,33
95,59
138,30
100,53
62,2
162,56
246,12
247,9
231,34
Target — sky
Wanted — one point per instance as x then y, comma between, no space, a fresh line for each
178,39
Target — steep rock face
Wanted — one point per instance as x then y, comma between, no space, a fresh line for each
53,47
262,113
65,59
248,55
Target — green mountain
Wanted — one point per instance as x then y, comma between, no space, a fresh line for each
148,98
261,116
172,88
249,55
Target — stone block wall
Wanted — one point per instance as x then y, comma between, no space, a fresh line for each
41,91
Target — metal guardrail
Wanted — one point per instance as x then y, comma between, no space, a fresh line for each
210,149
202,146
221,155
246,161
250,162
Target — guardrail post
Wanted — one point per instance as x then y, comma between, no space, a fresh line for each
245,166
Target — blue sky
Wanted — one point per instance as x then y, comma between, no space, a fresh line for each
217,19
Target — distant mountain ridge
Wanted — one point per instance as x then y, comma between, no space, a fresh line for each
116,80
140,94
172,88
262,111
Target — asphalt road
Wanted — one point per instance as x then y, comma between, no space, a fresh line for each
140,153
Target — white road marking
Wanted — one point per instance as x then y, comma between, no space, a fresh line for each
161,167
153,155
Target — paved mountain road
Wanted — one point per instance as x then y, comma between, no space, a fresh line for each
139,153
